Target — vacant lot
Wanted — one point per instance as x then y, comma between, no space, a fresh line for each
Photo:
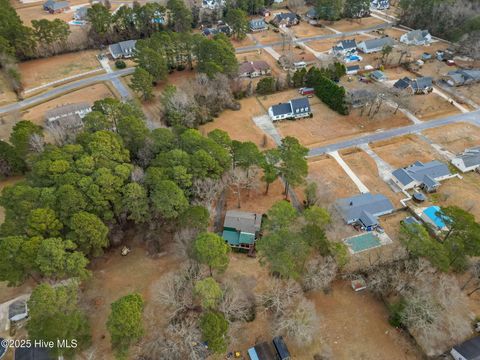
455,137
394,33
403,151
366,169
241,43
299,53
43,71
267,37
356,326
431,106
239,124
470,91
352,25
89,94
306,30
327,126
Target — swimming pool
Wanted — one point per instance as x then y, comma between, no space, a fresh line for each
351,58
363,242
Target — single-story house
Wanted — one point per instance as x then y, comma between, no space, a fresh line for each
462,77
380,4
344,47
424,175
254,69
468,350
403,84
378,75
416,37
80,13
422,85
18,310
364,209
257,25
55,7
375,45
70,116
123,49
352,70
312,14
241,228
467,161
296,108
285,19
432,216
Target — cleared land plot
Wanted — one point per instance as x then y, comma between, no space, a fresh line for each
431,106
6,94
403,151
394,33
42,71
299,54
89,94
349,25
268,37
455,137
357,326
327,126
304,29
241,43
398,73
470,91
366,169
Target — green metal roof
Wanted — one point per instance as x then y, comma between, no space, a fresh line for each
236,238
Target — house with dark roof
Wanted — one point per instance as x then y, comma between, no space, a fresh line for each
32,353
18,310
467,161
55,7
352,70
80,13
422,85
294,109
403,84
123,49
241,228
462,77
285,19
416,37
378,75
375,45
253,69
256,25
468,350
312,14
423,175
364,209
344,47
380,4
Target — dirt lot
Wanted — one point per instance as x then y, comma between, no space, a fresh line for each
366,169
403,151
325,122
455,137
299,54
241,43
356,326
43,71
394,33
470,91
304,29
267,37
431,106
349,25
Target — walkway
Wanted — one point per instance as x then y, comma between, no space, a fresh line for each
272,52
363,189
384,168
265,123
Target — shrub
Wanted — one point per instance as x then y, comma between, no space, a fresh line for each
120,64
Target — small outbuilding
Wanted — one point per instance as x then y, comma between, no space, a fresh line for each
468,350
281,348
378,75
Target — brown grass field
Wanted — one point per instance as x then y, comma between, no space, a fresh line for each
455,137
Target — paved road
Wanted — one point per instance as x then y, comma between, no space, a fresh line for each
62,89
473,117
315,38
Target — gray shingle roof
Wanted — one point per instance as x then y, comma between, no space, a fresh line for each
378,43
353,208
418,170
257,24
281,109
300,103
123,48
402,83
469,349
470,157
17,308
348,44
285,16
243,221
418,35
422,83
56,5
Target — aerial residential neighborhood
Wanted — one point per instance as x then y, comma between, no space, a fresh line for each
256,180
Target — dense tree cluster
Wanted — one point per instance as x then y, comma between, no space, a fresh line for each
336,9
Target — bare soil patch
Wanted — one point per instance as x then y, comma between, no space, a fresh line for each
394,33
43,71
304,29
345,25
470,91
431,106
455,137
403,151
268,36
241,43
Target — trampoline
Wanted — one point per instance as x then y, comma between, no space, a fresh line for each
363,242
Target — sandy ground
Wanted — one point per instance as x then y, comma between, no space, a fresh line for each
455,137
356,326
366,169
349,25
325,122
239,124
42,71
398,73
431,106
89,94
403,151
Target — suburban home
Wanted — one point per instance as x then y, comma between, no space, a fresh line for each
296,108
241,229
462,77
364,209
378,75
257,25
432,216
17,310
69,116
416,37
285,19
467,161
403,84
422,85
352,70
375,45
424,175
468,350
312,14
123,49
380,4
344,47
254,69
81,13
55,7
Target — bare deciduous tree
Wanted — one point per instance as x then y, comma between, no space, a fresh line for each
319,273
280,295
237,303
